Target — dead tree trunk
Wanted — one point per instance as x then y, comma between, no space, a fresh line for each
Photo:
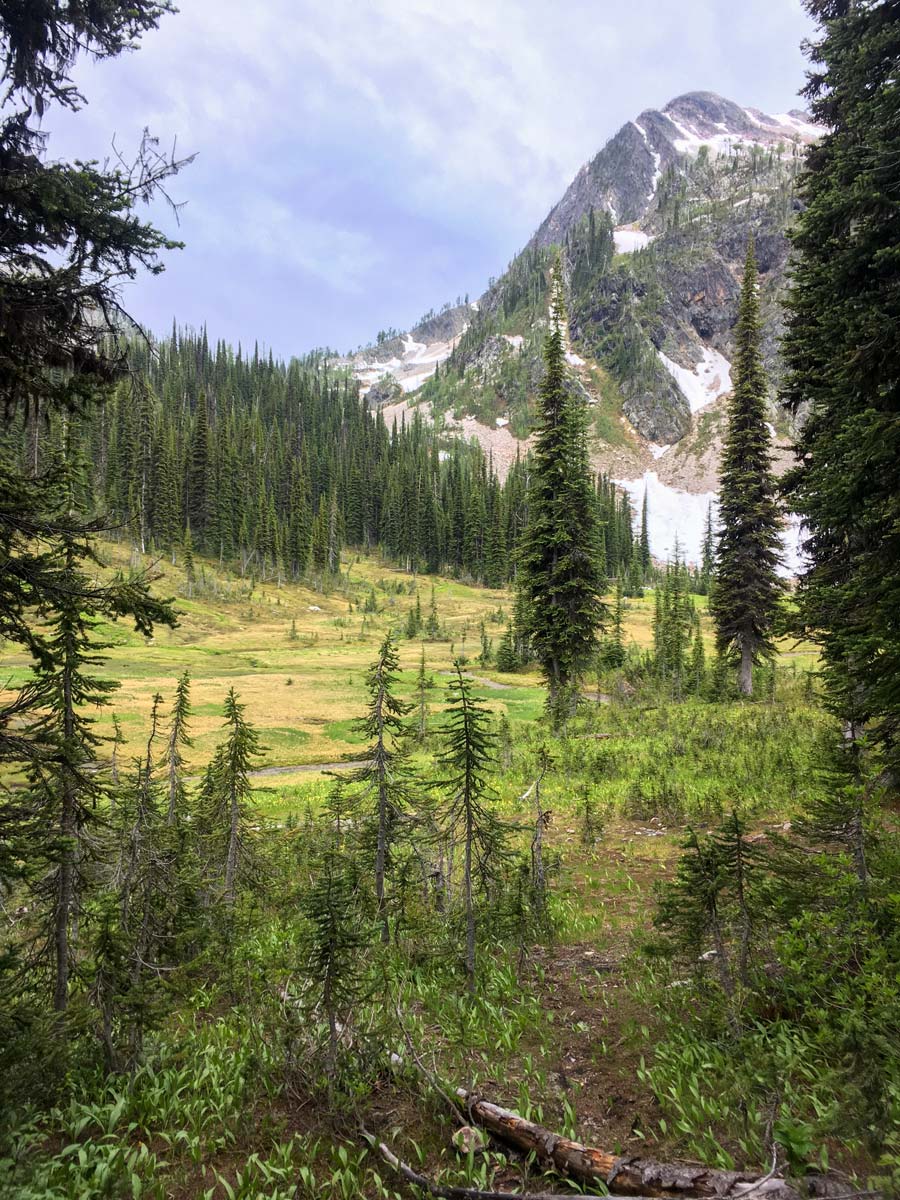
622,1175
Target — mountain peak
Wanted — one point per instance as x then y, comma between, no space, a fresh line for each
622,177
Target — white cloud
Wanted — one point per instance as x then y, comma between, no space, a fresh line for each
343,258
476,103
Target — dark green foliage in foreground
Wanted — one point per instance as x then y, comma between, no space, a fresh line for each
338,938
843,358
791,945
470,820
69,234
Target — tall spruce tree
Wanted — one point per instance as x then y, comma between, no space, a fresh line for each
708,553
747,587
178,737
470,819
843,359
560,574
385,779
69,233
645,538
225,803
65,790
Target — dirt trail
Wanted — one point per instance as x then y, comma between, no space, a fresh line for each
480,679
262,772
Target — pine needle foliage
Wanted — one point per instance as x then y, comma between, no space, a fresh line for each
468,758
843,359
65,792
560,575
225,802
745,597
339,933
385,781
707,910
177,740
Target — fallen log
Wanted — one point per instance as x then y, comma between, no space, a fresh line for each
447,1191
622,1175
637,1177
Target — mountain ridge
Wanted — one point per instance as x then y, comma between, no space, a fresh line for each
652,232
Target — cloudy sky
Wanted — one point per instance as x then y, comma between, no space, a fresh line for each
360,161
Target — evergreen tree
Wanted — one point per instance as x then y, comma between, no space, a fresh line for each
747,588
673,621
189,567
484,656
615,651
843,362
197,505
178,738
65,791
698,660
69,234
385,779
414,619
336,943
225,802
132,928
468,757
424,684
708,558
507,659
433,624
560,577
645,538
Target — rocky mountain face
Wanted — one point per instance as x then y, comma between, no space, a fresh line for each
651,236
623,177
401,363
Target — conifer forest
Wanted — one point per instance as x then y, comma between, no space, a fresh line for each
467,766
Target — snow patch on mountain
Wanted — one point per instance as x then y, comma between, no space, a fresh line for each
627,240
674,518
710,379
411,368
744,126
677,519
804,128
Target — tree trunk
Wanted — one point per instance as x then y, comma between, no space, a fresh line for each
173,782
232,854
621,1174
470,903
745,676
68,827
65,897
381,848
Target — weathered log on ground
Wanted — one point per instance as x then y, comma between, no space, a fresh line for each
622,1175
447,1191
